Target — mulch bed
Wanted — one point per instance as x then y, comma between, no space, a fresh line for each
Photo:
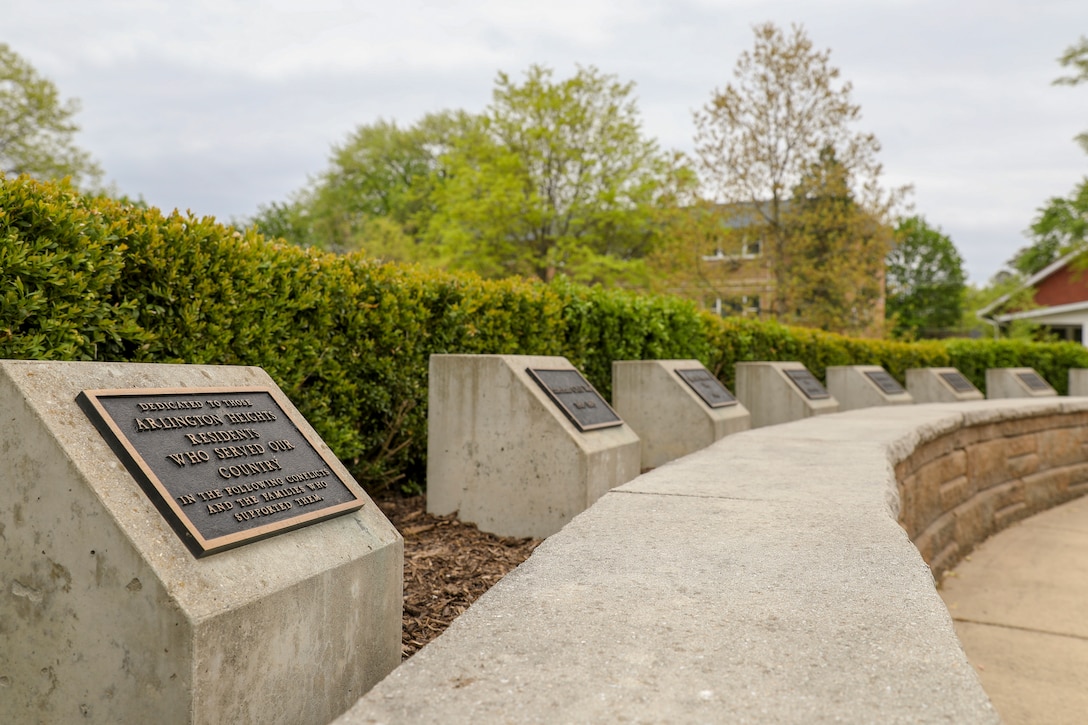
447,566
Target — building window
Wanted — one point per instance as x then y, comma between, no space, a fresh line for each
750,249
739,306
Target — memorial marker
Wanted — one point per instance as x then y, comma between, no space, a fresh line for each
224,466
1017,383
520,444
940,385
884,380
676,406
807,383
114,471
578,400
781,391
707,387
1078,381
864,386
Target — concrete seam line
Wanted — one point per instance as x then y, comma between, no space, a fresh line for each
695,495
1034,630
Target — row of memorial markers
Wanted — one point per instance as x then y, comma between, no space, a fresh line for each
518,445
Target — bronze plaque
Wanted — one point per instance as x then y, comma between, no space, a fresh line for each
958,382
707,387
225,466
884,380
807,383
578,400
1034,382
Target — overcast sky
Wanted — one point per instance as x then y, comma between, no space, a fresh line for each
218,106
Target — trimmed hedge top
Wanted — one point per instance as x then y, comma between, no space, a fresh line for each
347,339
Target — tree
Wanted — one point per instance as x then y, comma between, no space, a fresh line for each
835,255
925,281
376,195
1059,228
687,260
1004,291
560,180
1062,225
1076,57
36,127
555,177
389,172
284,220
757,138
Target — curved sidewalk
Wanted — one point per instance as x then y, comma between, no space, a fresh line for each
1018,603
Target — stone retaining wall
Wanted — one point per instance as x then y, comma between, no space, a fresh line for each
765,579
964,486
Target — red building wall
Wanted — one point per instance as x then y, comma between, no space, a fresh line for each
1063,287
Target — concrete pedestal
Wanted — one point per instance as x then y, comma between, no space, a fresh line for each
502,453
1078,381
772,396
940,385
1017,383
106,616
865,386
669,415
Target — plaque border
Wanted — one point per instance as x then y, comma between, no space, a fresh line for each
713,406
163,498
789,372
559,404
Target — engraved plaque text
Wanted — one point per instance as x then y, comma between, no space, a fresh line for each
958,382
884,380
225,466
707,387
578,400
807,383
1034,382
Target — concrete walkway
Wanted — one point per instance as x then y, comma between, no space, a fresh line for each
762,580
1019,604
766,579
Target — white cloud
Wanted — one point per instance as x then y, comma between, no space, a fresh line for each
223,105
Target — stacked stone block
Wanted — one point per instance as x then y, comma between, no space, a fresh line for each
958,489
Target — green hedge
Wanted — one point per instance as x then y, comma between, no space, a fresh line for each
349,340
61,260
736,340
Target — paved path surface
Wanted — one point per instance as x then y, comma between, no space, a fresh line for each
1020,605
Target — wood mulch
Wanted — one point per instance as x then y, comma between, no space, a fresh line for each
447,566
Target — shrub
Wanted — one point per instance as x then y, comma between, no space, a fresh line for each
349,340
61,259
